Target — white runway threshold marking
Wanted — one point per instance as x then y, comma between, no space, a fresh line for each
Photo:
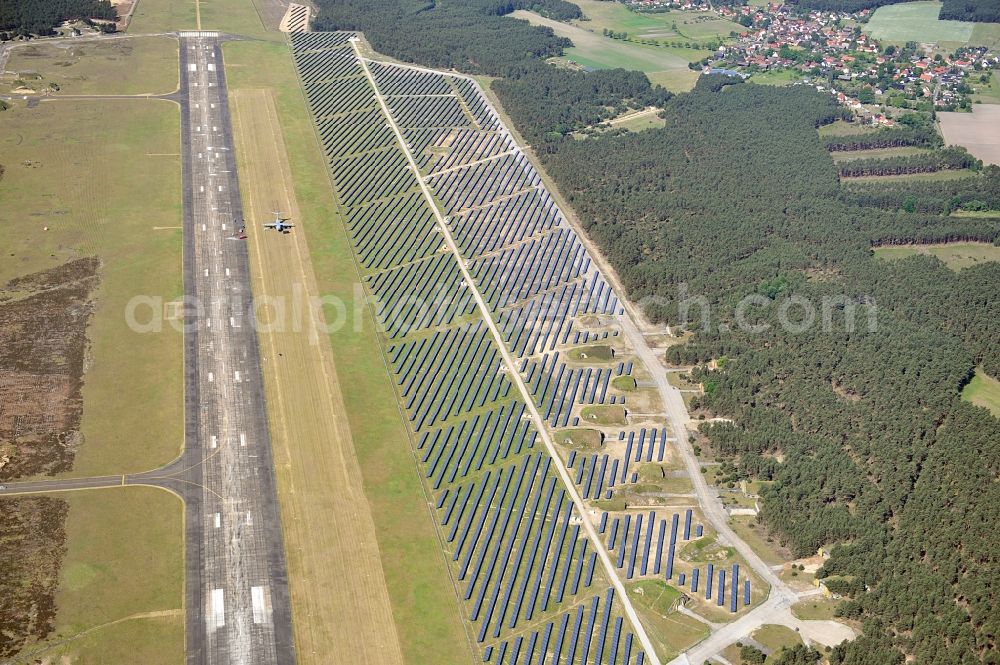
218,615
215,441
243,439
261,606
218,520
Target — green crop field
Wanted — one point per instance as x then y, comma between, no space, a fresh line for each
918,22
127,213
955,255
984,391
141,65
121,591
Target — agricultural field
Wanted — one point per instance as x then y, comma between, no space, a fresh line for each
955,255
984,391
119,592
666,66
917,22
134,66
666,26
978,132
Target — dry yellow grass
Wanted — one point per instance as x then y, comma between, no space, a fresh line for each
340,603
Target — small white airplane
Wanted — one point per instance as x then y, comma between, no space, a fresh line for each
279,224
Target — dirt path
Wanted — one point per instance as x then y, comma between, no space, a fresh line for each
340,603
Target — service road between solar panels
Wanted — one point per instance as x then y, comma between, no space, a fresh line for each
503,339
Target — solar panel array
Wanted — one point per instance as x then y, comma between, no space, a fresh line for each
530,583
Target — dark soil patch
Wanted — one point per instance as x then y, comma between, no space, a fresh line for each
32,546
43,345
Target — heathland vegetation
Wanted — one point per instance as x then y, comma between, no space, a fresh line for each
861,430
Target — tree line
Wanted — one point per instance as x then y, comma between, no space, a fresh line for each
931,162
987,11
21,18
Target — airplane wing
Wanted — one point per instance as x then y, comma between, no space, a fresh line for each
270,226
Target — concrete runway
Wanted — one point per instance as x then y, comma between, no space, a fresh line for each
237,587
237,602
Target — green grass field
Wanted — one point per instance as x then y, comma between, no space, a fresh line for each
918,22
989,93
956,255
842,128
984,391
121,591
239,17
690,25
817,608
670,632
593,50
777,77
641,123
424,605
128,213
773,636
603,415
142,65
752,536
